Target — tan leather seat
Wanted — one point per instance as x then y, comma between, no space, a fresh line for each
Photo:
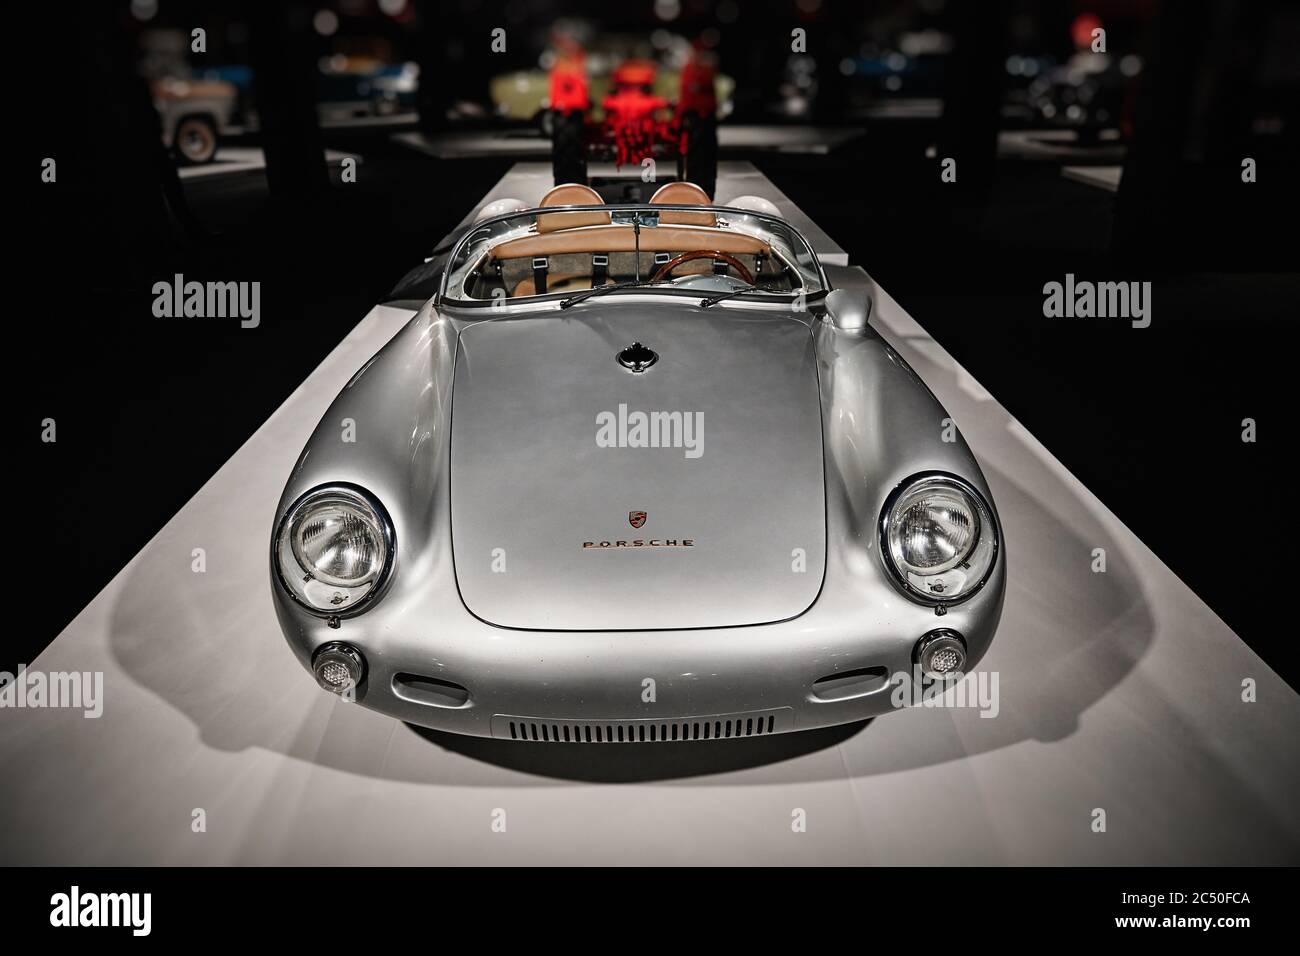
673,238
683,194
562,283
571,194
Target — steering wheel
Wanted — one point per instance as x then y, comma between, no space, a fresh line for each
676,261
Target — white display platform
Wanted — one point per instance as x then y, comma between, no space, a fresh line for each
1103,177
522,143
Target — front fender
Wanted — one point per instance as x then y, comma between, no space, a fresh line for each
387,432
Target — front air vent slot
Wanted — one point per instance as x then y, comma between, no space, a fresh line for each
716,727
430,691
849,684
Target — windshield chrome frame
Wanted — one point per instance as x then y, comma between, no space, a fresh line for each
443,299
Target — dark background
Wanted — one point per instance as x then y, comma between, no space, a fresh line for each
1149,420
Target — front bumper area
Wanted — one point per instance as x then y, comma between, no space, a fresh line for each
823,668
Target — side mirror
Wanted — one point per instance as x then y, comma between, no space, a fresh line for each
849,310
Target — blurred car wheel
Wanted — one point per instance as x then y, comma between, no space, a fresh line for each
195,140
544,121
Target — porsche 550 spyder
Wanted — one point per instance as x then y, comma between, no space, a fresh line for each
636,473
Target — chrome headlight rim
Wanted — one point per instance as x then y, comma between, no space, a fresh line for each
985,516
358,496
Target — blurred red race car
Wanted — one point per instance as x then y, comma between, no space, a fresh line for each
633,122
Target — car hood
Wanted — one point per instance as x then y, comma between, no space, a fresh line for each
565,514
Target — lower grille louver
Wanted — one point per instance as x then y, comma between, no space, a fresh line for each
760,723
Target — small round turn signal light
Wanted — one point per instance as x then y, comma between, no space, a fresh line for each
941,653
338,667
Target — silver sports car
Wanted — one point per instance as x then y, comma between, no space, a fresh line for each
636,473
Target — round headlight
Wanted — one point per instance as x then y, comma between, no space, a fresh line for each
333,548
939,538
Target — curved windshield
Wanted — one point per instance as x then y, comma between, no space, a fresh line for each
570,251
